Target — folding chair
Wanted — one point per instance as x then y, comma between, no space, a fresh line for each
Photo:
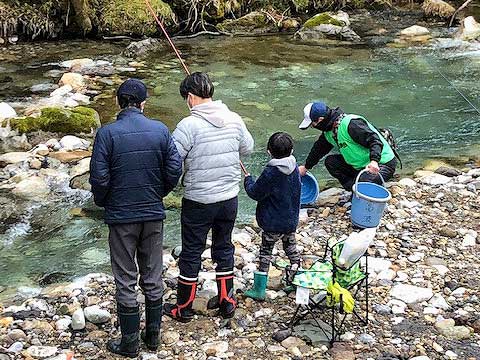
316,280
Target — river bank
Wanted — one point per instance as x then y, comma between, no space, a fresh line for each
423,290
266,79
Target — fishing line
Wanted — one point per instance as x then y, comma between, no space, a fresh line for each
458,91
177,53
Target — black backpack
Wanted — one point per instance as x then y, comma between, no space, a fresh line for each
388,135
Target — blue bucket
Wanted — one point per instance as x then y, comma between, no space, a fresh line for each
309,192
368,203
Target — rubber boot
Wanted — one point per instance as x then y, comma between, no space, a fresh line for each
182,310
153,322
226,301
257,292
127,345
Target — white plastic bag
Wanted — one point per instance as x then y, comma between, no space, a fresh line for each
355,246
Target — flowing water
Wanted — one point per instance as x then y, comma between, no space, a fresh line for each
267,80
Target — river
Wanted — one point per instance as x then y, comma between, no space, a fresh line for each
267,80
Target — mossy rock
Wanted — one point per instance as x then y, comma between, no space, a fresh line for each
320,19
254,22
68,121
133,17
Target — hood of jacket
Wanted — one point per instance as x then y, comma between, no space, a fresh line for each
215,112
286,165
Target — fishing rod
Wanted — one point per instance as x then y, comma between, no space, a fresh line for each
177,53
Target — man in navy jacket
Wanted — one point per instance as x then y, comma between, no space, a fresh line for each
134,165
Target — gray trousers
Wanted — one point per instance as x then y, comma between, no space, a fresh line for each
132,244
268,243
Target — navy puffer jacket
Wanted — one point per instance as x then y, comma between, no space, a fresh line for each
277,191
134,165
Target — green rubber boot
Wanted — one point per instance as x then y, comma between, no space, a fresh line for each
259,286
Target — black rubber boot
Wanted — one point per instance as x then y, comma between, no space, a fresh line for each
226,301
127,344
182,310
153,322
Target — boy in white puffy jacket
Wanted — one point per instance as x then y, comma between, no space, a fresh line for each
210,142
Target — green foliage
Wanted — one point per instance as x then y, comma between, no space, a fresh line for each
301,4
323,18
172,201
68,121
34,18
132,16
250,22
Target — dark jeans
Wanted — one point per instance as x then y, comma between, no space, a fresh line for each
346,174
142,242
197,220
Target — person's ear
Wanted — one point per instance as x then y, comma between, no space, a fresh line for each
142,105
269,153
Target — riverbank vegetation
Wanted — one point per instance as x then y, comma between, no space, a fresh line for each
51,19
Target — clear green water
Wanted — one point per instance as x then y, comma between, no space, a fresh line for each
267,80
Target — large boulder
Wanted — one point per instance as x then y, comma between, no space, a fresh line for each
14,158
81,182
414,30
77,63
142,47
75,80
252,23
33,187
328,25
414,34
77,120
437,9
11,141
470,29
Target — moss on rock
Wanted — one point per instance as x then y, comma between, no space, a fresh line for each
68,121
254,22
133,17
438,8
322,18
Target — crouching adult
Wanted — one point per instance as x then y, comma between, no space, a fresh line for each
134,165
359,143
210,142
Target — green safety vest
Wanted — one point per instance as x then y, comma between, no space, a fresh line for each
355,154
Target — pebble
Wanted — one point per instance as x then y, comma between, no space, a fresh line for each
366,339
451,355
170,337
411,294
215,348
78,320
15,348
42,352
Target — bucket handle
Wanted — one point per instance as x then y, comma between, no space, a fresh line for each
365,170
355,187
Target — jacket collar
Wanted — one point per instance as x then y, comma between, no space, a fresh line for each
127,112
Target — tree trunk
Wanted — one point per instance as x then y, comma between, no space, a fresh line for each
82,15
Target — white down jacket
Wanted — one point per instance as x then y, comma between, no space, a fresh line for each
210,142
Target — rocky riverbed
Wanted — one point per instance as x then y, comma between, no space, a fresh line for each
424,297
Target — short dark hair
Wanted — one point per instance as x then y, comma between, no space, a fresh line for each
280,145
125,100
198,84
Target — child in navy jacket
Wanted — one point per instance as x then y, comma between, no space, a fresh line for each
277,192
